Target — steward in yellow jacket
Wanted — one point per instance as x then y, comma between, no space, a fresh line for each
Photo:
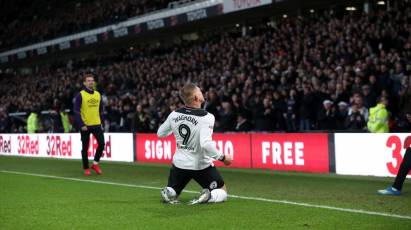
378,119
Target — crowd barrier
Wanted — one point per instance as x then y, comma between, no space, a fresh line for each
342,153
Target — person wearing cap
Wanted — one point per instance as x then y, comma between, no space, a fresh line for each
378,119
341,115
326,116
342,104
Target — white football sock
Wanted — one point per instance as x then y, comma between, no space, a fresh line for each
218,195
95,163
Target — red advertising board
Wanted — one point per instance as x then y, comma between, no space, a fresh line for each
237,145
291,152
150,148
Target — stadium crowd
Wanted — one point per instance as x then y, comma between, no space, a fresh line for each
318,72
26,22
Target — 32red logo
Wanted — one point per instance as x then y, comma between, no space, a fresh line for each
395,143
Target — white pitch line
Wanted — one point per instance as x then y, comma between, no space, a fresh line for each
231,196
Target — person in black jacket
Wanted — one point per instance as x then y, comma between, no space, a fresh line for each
326,116
355,121
341,115
243,124
307,100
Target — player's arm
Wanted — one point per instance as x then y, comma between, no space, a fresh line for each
77,114
101,111
165,129
206,142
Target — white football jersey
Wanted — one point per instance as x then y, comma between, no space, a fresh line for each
192,129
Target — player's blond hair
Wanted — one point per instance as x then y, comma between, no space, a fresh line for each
187,93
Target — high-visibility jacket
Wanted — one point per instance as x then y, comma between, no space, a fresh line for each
32,123
65,121
378,119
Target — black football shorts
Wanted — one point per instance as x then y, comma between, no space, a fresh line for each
207,178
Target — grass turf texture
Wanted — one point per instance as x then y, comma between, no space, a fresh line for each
30,202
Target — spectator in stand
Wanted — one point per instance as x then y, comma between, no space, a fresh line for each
383,79
268,116
370,97
355,122
243,125
65,119
126,117
404,106
33,121
56,122
378,122
357,100
4,121
374,86
263,114
140,120
341,115
278,104
340,94
227,117
307,103
326,116
397,77
290,114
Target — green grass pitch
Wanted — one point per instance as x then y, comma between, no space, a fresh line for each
53,194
